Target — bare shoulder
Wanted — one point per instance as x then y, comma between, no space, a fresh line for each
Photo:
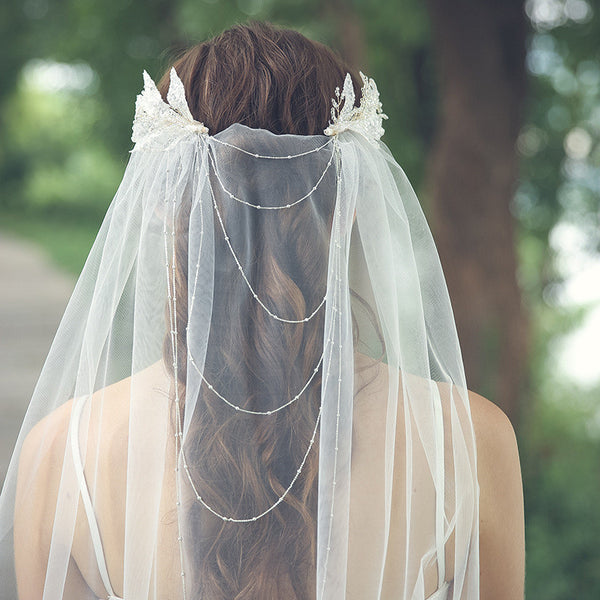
47,439
490,419
43,453
42,457
40,470
497,452
40,465
501,519
109,406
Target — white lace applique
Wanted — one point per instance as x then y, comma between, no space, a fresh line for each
154,117
365,119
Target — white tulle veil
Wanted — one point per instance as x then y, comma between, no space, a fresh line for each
257,383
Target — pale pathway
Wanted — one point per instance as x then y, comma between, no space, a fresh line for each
33,296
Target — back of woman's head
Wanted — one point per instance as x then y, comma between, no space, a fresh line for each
263,77
276,80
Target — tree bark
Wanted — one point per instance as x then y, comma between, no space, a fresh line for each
472,175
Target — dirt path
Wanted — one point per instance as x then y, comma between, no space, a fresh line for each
33,296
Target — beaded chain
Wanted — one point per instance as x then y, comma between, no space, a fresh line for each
271,157
172,303
338,280
239,265
260,206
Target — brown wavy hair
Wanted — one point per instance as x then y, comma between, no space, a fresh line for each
274,79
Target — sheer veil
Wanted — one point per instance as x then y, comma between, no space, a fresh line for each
256,390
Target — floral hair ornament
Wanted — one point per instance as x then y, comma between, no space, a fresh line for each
154,117
366,119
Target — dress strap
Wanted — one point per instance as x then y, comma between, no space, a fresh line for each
78,405
440,485
441,593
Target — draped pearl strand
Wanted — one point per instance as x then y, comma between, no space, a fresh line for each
245,278
172,303
260,206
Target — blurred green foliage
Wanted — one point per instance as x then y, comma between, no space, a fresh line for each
559,445
66,169
560,185
65,136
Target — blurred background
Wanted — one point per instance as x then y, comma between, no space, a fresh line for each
495,116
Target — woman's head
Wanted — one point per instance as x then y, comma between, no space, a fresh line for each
263,77
274,79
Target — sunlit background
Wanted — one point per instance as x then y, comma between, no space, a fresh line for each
70,72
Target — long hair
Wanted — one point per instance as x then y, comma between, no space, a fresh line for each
278,80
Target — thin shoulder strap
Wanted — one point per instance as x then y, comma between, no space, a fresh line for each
440,484
85,495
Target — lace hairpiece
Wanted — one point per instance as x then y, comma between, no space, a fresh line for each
155,117
365,119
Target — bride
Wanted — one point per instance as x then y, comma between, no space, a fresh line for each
256,391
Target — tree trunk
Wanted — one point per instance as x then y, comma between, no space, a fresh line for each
472,175
349,32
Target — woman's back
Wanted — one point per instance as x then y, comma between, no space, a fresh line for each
108,416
